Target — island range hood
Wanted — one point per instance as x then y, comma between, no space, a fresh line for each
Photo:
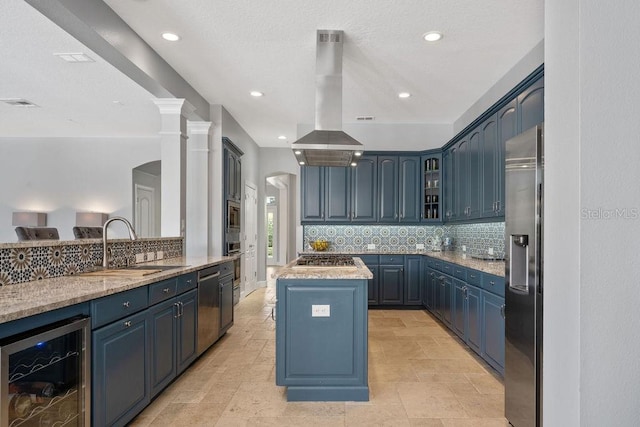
328,145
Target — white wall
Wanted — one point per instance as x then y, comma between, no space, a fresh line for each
592,375
63,175
511,78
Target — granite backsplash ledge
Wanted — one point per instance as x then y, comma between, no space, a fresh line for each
477,238
36,260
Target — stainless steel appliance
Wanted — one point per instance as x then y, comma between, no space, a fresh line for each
524,186
208,307
44,376
233,216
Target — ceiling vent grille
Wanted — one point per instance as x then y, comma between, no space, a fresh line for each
365,118
18,102
74,57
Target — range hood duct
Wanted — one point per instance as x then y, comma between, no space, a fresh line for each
328,145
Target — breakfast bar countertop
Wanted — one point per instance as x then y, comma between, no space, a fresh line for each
30,298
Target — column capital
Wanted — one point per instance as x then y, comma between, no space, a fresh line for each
170,105
198,127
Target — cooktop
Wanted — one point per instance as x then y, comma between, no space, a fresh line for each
325,260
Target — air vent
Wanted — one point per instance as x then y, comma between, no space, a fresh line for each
365,118
329,38
18,102
74,57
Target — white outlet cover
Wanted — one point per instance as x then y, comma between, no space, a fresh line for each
139,258
490,251
464,248
371,246
150,256
419,245
320,310
160,255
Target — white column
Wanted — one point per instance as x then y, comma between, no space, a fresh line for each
197,232
173,134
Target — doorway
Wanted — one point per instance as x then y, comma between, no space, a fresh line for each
146,194
272,232
279,209
250,281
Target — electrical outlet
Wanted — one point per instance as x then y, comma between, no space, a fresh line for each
419,246
139,258
320,310
371,246
160,255
490,251
464,248
151,256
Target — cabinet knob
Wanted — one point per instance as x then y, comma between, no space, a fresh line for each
472,276
189,281
165,290
127,324
502,311
492,283
126,304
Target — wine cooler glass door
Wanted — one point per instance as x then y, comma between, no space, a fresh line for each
45,378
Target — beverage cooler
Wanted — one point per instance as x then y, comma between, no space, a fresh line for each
44,376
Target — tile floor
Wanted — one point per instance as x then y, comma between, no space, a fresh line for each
419,375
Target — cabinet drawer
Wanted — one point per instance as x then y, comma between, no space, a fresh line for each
391,259
369,260
437,265
162,291
460,272
431,263
474,277
493,284
186,282
226,268
108,309
447,268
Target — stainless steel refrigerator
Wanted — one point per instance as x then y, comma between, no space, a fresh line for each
524,190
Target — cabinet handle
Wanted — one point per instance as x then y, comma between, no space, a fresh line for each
126,304
189,281
395,215
181,308
472,276
273,316
498,206
165,290
177,306
492,283
127,324
502,311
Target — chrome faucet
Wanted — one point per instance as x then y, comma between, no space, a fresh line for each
132,236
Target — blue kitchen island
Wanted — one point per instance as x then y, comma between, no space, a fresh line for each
321,331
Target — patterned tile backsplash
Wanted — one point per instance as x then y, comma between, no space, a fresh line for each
25,262
403,238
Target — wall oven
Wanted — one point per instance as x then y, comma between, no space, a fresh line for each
233,215
44,376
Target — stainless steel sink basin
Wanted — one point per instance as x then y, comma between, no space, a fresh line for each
131,271
152,267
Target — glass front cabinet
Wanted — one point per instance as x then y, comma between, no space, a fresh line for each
431,185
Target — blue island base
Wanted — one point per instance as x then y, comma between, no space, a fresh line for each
327,394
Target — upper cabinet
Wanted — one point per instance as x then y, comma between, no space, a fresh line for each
233,171
431,185
473,166
388,188
409,189
312,191
364,194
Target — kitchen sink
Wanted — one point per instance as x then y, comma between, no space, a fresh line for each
151,267
131,271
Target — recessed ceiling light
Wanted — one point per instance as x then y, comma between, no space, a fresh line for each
301,163
170,37
282,137
354,164
357,154
432,36
298,152
256,93
404,95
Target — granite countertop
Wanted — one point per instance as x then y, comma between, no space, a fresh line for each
495,267
31,298
291,271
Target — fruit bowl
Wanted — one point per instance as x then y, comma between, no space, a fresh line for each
319,245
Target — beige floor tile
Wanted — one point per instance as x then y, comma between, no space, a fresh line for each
420,374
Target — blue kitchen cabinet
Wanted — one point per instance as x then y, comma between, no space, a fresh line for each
458,308
187,346
164,338
460,159
391,284
312,193
531,106
373,288
338,194
432,183
413,279
232,171
364,194
322,358
492,153
493,327
388,189
448,184
120,374
474,182
466,314
429,297
507,129
409,190
444,297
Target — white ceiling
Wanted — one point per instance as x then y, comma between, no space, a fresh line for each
229,48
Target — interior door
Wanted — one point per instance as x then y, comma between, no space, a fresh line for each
250,238
145,211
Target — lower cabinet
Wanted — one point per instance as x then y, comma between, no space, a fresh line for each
493,325
120,374
466,314
443,298
226,303
373,288
413,280
391,284
173,331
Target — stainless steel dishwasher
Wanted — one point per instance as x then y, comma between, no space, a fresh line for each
208,307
